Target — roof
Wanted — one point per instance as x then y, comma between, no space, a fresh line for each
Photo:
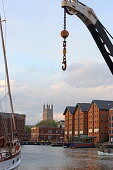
111,108
71,109
103,104
61,121
84,106
8,115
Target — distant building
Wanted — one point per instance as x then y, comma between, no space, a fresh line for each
61,124
47,112
5,125
47,133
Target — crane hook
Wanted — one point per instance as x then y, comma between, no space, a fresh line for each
64,65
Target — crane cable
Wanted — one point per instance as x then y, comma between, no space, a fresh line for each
64,35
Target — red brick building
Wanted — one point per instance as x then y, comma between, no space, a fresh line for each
81,119
111,125
69,123
76,122
5,125
98,119
47,133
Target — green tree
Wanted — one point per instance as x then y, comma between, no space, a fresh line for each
27,128
47,122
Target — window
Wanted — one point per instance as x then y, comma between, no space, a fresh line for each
49,131
61,131
56,131
49,137
109,131
109,124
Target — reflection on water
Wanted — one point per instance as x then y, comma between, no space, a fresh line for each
40,157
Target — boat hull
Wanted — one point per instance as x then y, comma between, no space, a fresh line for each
11,163
104,153
81,145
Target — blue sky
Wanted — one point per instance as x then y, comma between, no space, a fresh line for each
34,52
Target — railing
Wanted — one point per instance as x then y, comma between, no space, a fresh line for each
4,155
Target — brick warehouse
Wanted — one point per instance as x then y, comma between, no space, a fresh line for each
98,119
81,119
90,119
47,133
5,125
76,121
69,123
111,125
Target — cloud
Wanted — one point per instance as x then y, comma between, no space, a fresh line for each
88,74
58,116
3,82
58,86
82,82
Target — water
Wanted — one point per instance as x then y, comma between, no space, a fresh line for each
41,157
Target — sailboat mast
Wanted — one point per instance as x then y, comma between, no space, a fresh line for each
7,76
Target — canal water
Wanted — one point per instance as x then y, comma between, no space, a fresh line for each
41,157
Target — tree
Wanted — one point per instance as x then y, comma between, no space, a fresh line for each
47,122
27,128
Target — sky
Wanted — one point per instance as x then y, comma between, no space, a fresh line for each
34,54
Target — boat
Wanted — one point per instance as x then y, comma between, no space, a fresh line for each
81,145
57,144
66,145
10,149
105,153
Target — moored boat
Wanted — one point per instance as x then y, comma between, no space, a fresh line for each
81,145
105,153
10,149
10,156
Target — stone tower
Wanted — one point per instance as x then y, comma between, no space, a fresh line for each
47,112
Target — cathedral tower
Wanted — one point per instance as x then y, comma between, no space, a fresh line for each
47,112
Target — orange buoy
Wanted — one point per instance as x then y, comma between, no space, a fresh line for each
64,33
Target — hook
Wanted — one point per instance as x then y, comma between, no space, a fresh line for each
64,65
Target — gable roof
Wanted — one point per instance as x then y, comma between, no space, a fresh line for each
84,106
71,109
111,108
103,104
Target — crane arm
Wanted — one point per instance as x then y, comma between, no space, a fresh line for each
97,30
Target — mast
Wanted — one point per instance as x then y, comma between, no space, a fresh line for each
7,78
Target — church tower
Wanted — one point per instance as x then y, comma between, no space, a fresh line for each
47,112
